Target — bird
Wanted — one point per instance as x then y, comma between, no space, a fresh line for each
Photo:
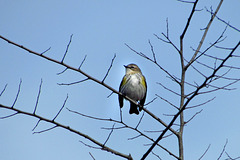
134,86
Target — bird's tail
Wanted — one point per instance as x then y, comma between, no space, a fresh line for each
133,108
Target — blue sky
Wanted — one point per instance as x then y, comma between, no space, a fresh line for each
100,29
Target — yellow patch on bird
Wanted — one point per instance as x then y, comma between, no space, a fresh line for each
124,81
143,82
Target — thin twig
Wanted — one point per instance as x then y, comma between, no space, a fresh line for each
109,68
110,95
46,50
230,158
224,147
67,84
90,145
146,57
91,155
140,120
109,135
105,148
188,101
153,53
204,34
185,1
36,125
80,71
62,71
61,108
167,101
19,88
3,89
82,62
201,104
156,155
45,130
126,126
227,23
38,96
9,115
205,152
132,138
168,89
194,116
150,101
67,48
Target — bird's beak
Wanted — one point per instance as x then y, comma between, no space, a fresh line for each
125,66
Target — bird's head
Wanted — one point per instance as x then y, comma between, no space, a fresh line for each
132,68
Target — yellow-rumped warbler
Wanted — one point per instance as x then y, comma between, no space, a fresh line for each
134,86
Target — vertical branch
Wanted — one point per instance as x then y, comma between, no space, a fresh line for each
109,68
3,90
182,104
39,91
19,88
67,48
109,135
61,108
204,34
182,83
82,62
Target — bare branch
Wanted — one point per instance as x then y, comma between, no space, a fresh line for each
156,155
62,71
152,50
170,42
19,88
105,148
204,34
87,75
150,101
167,101
189,99
168,89
90,145
219,39
67,48
224,147
3,90
45,130
189,19
140,120
91,155
126,126
38,96
146,57
194,116
36,125
109,68
205,152
61,108
231,67
135,137
9,115
220,88
230,158
109,135
227,23
201,104
67,84
110,95
91,117
82,62
46,50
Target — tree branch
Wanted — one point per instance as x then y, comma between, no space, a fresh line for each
103,147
